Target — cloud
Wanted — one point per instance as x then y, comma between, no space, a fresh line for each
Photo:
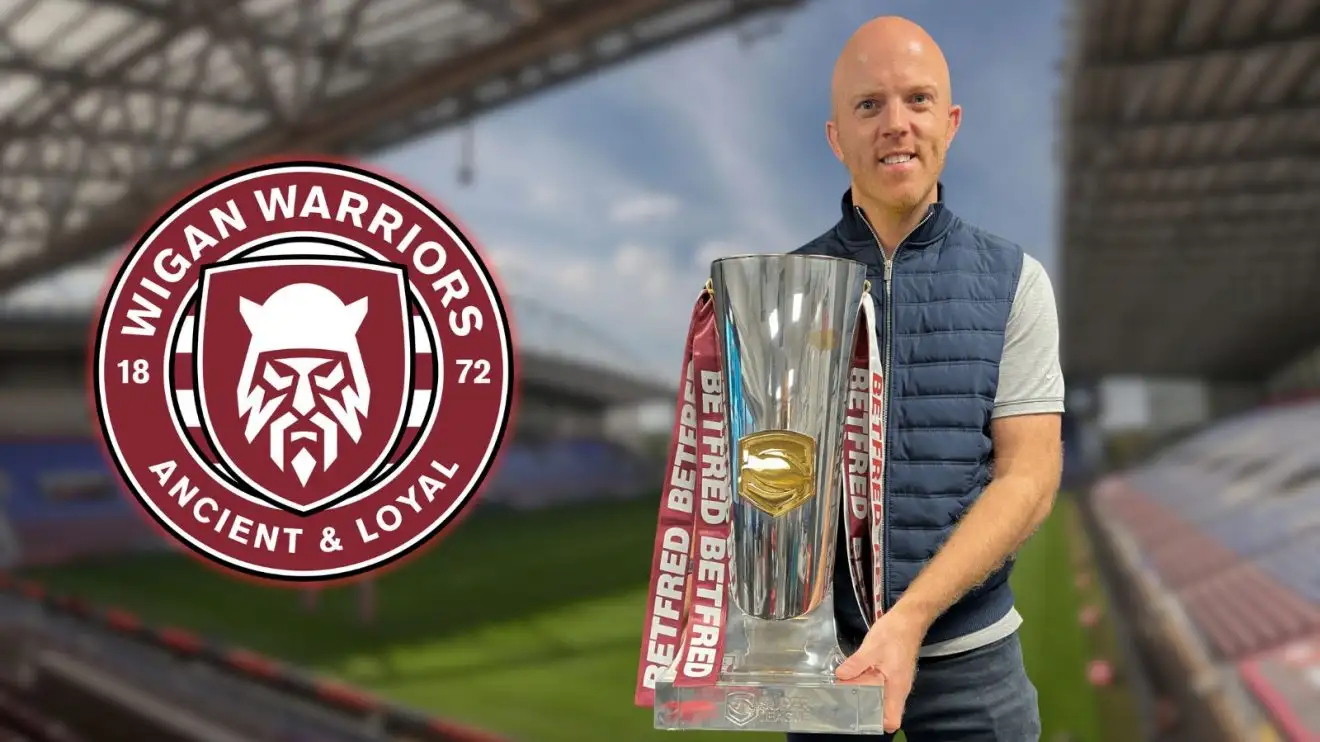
713,249
638,297
729,124
634,301
644,207
542,196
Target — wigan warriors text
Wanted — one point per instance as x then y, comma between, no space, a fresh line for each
174,269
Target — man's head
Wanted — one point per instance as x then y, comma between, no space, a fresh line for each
303,379
892,115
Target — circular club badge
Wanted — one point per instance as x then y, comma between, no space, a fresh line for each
303,371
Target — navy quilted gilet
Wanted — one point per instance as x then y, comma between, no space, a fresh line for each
941,330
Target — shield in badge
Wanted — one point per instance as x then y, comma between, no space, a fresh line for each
303,373
740,708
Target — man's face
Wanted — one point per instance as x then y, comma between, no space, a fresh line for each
305,407
892,125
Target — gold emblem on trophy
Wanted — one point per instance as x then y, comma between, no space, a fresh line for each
777,470
823,339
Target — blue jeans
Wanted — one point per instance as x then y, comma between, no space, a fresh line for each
979,696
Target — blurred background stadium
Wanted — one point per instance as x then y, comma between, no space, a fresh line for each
1160,156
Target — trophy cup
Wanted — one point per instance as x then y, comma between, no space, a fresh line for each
777,439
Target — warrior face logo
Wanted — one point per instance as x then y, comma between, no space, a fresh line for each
291,401
303,382
303,371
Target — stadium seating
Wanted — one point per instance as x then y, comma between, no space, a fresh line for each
62,502
1226,524
59,500
1285,680
70,673
1297,565
534,475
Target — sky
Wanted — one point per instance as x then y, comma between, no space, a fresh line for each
608,198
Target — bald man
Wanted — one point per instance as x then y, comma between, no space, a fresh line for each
973,399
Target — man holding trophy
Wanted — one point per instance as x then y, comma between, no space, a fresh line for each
868,430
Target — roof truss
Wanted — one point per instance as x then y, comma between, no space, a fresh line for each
1191,201
108,108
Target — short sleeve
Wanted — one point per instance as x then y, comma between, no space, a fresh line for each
1030,375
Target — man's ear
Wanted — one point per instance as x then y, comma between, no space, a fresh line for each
955,122
832,135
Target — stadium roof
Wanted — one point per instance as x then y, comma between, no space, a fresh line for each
109,106
1191,204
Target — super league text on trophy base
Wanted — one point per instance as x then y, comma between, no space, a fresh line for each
427,258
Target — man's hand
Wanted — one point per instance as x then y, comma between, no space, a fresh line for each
889,652
1028,461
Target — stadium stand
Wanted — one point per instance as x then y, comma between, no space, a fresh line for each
1219,541
1167,171
64,503
10,551
108,677
21,722
533,475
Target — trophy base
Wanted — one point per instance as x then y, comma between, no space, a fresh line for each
772,702
778,677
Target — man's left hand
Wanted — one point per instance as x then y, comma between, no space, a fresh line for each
890,651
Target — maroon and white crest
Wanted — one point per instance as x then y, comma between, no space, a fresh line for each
303,368
303,371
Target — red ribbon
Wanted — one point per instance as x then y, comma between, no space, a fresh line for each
863,465
687,602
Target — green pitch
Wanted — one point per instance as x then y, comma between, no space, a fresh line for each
529,625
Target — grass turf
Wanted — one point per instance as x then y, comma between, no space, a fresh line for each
501,627
1054,644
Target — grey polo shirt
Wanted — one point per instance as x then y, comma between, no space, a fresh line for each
1030,382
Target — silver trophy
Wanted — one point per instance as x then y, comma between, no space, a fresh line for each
785,326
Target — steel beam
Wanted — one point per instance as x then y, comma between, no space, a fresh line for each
353,123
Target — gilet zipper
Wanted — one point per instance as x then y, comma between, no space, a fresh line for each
885,393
